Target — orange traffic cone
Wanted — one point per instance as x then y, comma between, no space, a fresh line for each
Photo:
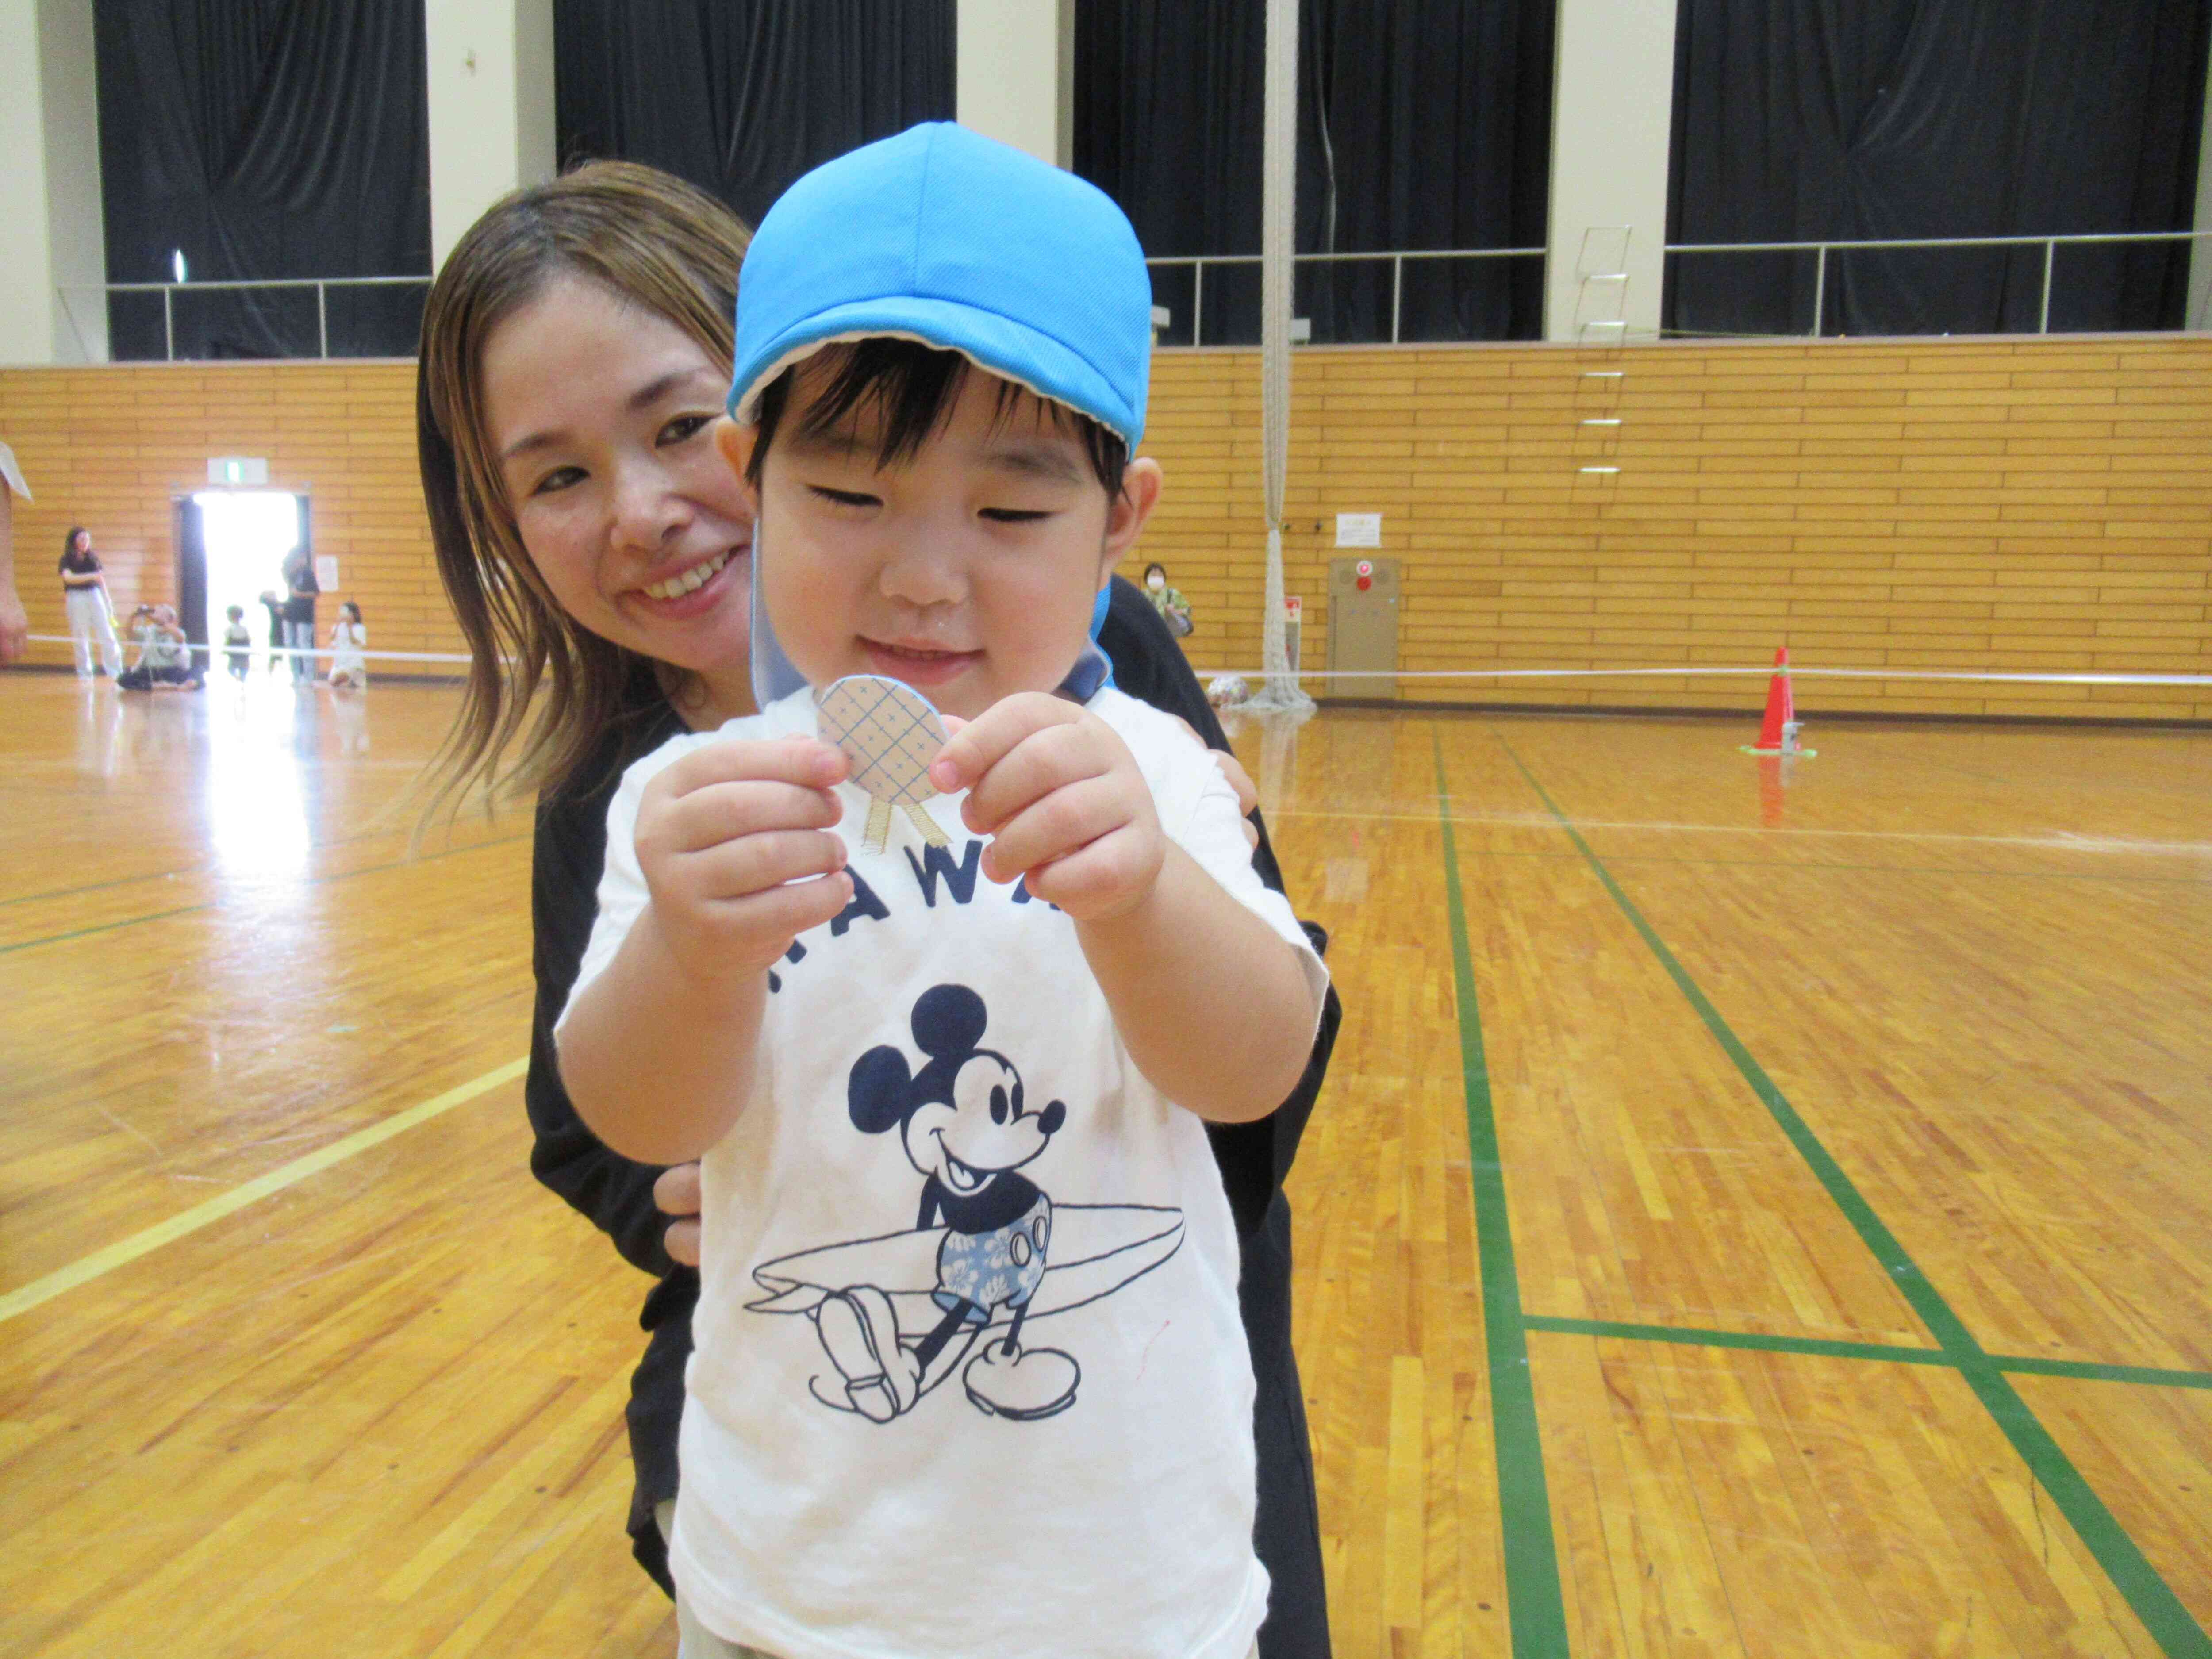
1777,732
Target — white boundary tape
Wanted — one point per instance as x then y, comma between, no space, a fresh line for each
1686,671
260,650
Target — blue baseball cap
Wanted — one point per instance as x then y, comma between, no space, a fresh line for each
946,237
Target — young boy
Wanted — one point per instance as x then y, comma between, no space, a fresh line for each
238,644
952,1128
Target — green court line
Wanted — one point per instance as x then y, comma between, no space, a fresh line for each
2148,1376
2032,1364
104,927
1536,1609
2170,1624
96,886
1688,1337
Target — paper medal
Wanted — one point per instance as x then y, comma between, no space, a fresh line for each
889,732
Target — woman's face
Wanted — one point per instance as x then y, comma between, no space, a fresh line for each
83,543
600,416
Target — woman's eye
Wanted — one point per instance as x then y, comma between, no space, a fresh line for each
683,427
1013,515
560,478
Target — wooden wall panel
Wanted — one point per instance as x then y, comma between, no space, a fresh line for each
2014,505
109,447
2010,505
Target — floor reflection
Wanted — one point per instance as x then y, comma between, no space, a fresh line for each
263,741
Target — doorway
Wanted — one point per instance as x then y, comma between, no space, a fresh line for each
231,548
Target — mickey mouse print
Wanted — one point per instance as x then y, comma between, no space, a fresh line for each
988,1253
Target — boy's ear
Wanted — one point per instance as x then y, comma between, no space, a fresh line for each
1126,514
736,443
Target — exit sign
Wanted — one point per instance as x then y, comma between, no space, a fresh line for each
238,470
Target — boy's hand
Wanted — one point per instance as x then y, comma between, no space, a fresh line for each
728,837
1060,796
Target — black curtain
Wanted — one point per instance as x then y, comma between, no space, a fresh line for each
1799,120
740,97
1422,124
264,139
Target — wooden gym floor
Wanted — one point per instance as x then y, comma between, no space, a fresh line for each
1832,1272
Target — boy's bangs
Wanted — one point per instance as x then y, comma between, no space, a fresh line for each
911,390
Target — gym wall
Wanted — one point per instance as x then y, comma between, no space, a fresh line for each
2009,504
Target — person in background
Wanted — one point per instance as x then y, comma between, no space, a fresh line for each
84,592
300,588
165,656
15,626
275,607
237,643
1173,609
348,636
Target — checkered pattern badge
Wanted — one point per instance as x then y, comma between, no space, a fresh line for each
889,732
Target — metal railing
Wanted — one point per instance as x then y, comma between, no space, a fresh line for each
1198,263
2049,245
168,291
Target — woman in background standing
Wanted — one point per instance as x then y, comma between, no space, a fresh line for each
300,588
84,592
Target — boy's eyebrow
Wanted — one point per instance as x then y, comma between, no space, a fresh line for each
1038,460
838,442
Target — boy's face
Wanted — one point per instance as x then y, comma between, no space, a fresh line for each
968,571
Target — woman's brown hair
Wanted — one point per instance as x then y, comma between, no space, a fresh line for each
652,240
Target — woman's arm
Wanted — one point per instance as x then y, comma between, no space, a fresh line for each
614,1193
1255,1158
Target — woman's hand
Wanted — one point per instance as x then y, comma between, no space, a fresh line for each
734,842
1063,800
676,1194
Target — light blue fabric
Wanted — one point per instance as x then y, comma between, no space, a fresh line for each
944,236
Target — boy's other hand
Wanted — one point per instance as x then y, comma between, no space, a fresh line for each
1234,775
1063,800
733,840
676,1195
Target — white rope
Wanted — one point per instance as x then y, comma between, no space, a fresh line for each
258,650
1760,670
1279,690
1684,671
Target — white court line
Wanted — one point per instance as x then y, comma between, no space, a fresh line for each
285,650
1693,671
106,1260
2061,841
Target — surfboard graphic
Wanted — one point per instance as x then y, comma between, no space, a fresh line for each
1097,1249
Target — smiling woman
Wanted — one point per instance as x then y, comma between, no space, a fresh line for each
596,547
576,350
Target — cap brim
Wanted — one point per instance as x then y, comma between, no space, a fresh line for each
992,341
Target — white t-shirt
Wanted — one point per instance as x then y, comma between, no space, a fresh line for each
948,1135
